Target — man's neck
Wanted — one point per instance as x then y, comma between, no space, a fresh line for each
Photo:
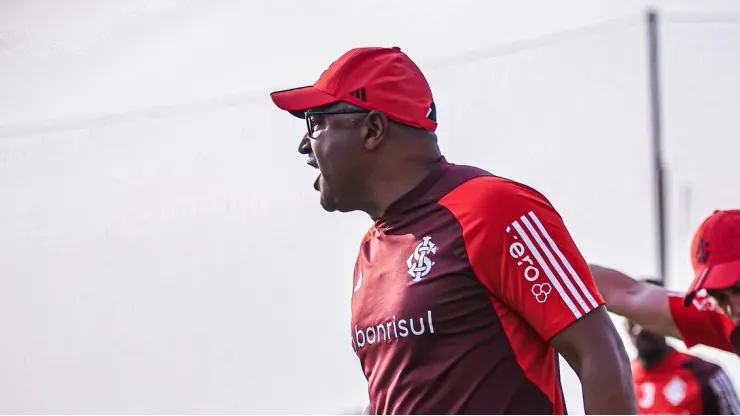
652,358
390,188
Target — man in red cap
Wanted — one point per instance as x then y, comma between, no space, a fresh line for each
669,382
467,285
708,313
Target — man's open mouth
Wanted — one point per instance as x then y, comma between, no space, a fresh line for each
312,162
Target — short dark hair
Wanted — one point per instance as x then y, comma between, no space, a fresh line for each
344,105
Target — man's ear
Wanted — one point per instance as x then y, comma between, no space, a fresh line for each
375,129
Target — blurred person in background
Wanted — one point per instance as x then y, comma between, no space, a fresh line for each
468,285
709,311
671,382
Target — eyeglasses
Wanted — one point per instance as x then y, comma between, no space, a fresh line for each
310,125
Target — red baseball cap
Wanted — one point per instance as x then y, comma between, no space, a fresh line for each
383,79
716,253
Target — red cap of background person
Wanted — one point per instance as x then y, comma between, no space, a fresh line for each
383,79
715,253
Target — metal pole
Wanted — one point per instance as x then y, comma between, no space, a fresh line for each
655,113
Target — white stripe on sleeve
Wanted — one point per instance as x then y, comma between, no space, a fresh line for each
543,265
561,274
565,261
724,392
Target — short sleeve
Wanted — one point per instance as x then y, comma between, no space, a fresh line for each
701,322
725,399
520,249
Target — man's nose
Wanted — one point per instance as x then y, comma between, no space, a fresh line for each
304,147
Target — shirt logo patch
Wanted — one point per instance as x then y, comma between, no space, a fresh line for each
540,291
418,262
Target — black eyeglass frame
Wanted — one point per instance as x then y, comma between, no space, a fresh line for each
310,113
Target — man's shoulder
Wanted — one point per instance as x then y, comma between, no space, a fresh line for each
483,191
701,302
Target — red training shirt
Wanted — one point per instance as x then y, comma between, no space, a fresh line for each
458,290
702,323
682,384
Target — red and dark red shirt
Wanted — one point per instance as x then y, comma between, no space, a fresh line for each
703,323
682,384
458,290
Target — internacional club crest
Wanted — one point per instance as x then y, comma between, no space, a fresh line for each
418,262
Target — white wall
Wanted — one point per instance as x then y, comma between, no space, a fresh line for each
177,264
180,262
